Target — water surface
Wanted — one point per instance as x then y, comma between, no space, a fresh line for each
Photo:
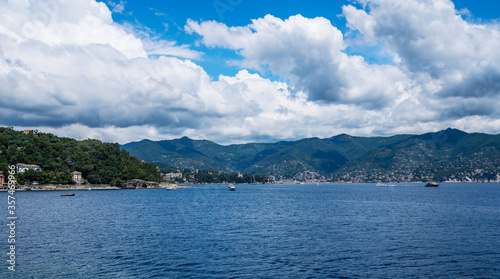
259,231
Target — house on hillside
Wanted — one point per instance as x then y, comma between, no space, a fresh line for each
20,168
3,185
77,177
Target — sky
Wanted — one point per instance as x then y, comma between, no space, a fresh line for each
236,71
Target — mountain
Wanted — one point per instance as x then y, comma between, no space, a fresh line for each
447,154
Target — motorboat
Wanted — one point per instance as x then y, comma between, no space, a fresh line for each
171,187
231,187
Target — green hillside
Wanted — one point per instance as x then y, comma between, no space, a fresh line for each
449,154
446,155
99,163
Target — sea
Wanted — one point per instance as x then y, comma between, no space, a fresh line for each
257,231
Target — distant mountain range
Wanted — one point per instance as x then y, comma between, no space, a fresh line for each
445,155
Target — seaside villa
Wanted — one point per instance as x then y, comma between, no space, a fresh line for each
20,168
3,185
77,177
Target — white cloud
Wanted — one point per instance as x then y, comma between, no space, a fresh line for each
309,52
445,69
117,7
69,69
359,20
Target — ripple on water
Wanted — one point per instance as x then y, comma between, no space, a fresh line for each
262,231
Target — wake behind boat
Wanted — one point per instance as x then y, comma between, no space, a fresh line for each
231,187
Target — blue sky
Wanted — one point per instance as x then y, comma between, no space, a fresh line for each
236,71
167,19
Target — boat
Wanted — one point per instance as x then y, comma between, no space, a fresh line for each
67,195
231,187
380,184
171,187
431,184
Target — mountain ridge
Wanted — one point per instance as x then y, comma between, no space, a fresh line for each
337,157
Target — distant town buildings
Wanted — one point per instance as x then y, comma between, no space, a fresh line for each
20,168
77,177
172,175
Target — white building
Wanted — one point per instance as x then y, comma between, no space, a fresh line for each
77,176
171,175
20,168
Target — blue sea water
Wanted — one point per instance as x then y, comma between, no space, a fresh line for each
258,231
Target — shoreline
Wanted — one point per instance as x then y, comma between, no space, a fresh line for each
87,187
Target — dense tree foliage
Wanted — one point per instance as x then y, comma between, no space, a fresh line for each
99,163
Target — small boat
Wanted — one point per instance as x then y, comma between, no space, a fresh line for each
431,184
380,184
171,187
231,187
67,195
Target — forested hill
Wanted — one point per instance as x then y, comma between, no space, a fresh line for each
99,163
445,155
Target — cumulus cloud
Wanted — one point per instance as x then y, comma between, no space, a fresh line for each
91,85
431,37
309,52
441,60
66,67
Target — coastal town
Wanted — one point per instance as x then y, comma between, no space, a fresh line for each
187,177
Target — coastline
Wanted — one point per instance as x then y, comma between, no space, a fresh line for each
66,187
87,187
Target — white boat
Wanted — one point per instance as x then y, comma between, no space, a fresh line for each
231,187
171,187
380,184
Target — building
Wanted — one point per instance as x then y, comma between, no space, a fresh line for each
28,132
20,168
140,183
172,175
77,177
2,179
